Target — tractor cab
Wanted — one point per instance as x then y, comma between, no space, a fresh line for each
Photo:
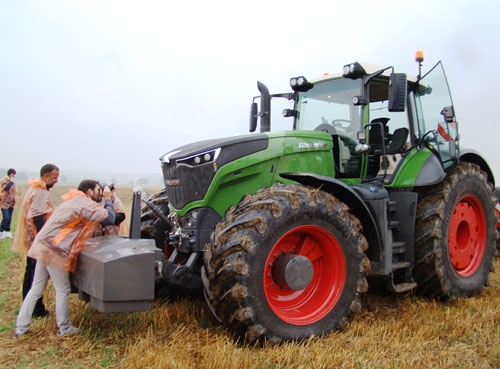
364,111
376,118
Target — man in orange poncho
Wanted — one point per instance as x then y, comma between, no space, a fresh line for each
57,246
35,210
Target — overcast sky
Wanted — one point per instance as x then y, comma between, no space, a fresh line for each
109,86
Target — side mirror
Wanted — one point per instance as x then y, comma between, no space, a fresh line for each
448,114
397,92
253,117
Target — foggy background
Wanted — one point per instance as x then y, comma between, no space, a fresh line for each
104,88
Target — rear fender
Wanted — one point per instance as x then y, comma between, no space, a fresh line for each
472,156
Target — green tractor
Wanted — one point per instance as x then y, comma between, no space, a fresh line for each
284,231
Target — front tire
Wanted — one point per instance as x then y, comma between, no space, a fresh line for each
286,263
455,235
152,226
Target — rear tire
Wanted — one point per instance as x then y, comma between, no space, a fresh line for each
496,192
246,265
455,234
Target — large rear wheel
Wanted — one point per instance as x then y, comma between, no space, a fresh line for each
286,263
496,193
455,234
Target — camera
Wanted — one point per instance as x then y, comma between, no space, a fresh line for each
111,186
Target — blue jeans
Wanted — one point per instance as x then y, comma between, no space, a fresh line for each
7,218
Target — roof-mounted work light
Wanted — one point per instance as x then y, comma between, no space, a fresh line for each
300,84
354,71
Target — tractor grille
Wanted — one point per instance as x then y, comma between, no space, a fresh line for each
186,184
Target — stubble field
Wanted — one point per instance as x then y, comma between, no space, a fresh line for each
390,331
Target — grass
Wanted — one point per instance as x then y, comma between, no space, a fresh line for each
390,331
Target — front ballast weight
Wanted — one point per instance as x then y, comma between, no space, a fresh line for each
118,274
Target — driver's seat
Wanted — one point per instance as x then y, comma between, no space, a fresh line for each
398,141
375,134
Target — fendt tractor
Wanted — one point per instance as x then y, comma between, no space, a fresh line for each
283,232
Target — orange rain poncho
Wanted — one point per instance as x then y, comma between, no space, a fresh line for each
65,234
112,230
36,202
8,198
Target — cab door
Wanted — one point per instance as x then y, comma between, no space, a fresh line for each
437,125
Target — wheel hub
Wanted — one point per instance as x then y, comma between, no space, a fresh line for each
292,271
467,236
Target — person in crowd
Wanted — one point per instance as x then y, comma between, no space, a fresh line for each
57,246
114,229
36,208
8,198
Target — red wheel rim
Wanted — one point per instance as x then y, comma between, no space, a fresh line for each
314,302
467,236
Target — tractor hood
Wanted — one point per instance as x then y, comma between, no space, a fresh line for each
189,170
220,150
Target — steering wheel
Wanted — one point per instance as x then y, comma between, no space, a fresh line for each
431,132
326,127
337,121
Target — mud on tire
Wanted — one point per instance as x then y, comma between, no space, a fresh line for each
455,234
246,285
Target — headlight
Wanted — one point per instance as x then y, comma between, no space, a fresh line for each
191,219
300,84
199,159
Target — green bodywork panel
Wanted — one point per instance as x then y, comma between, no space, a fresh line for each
290,151
410,167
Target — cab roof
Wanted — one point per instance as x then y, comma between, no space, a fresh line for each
369,68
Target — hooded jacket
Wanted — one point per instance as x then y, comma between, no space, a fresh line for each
65,234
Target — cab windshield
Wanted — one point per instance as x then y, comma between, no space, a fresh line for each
330,103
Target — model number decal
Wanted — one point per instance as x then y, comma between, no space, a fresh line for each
314,145
173,182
